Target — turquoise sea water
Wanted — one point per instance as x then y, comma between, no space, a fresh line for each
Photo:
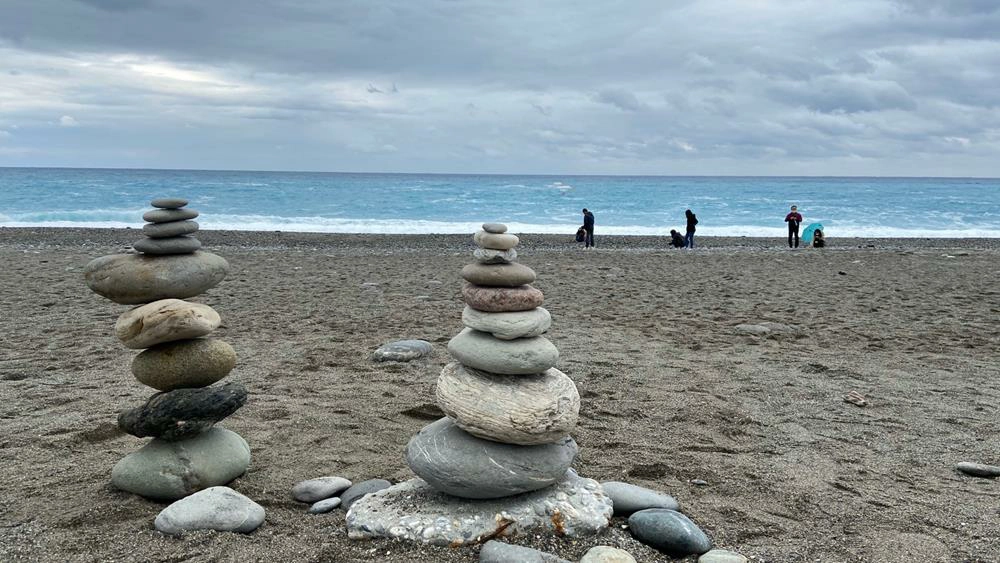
429,203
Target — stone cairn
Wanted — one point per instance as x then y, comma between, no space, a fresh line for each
502,455
187,453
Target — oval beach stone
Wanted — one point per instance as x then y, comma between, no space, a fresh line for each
499,552
183,413
403,351
489,256
169,202
978,469
503,275
668,531
216,508
628,498
481,351
502,299
171,229
324,506
165,320
721,556
495,241
607,554
496,228
131,279
358,490
184,363
319,488
169,245
455,462
513,409
171,470
167,215
509,325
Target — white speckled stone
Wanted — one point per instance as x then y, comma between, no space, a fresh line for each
607,554
216,508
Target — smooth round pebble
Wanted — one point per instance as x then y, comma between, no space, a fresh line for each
607,554
496,228
169,202
131,279
978,469
184,363
721,556
488,256
324,506
509,325
628,498
165,320
502,275
500,552
168,215
358,490
171,229
319,488
481,351
495,241
668,531
216,508
167,246
403,351
502,299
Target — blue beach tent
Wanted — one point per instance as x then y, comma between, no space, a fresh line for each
807,235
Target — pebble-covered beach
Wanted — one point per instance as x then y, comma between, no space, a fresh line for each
801,406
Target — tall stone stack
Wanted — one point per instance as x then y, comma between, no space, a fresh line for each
499,463
187,452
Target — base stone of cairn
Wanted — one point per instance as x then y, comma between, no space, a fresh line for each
499,463
188,452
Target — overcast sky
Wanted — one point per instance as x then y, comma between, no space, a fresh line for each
713,87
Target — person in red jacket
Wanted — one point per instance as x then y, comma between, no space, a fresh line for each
794,220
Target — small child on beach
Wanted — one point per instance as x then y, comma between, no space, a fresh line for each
676,239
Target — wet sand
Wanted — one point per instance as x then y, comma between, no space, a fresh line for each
672,391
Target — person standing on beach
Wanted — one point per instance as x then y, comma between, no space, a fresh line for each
689,233
588,225
794,219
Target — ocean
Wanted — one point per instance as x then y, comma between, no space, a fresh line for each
454,203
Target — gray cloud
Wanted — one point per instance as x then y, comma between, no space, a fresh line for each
693,87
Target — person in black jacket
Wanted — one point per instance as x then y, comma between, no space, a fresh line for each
588,225
676,239
689,234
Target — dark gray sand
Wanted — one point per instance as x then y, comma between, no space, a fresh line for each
671,392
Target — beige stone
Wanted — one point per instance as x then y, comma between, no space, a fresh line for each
607,554
503,275
165,320
184,363
495,241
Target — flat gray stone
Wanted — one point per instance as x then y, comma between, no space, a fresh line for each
216,508
131,279
324,506
165,320
172,470
978,469
496,228
403,351
495,241
413,510
183,413
489,256
171,229
668,531
607,554
455,462
512,409
499,552
752,330
498,275
184,363
721,556
509,325
167,246
168,215
169,203
481,351
629,498
359,490
319,488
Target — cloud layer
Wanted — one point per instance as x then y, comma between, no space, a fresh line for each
782,87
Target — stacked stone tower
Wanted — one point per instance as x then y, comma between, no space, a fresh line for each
509,410
187,453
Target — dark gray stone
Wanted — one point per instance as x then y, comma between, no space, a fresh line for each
168,245
499,552
978,469
169,202
629,498
131,279
455,462
167,215
182,413
319,488
171,229
668,531
361,489
216,508
497,228
403,351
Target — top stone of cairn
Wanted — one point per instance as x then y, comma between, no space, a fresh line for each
171,203
497,228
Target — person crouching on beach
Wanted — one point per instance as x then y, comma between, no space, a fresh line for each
588,225
794,220
676,240
689,234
